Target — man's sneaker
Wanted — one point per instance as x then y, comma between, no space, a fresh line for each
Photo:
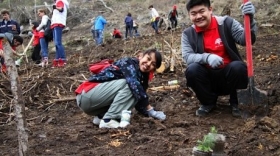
204,110
96,120
235,111
111,124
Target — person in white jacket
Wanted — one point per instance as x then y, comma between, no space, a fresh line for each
43,42
155,18
58,23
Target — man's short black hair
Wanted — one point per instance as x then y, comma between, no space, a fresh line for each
18,38
192,3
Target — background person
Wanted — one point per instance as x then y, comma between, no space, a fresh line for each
9,25
154,18
58,19
43,41
128,25
99,25
172,16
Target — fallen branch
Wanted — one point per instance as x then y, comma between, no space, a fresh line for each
162,88
106,5
64,99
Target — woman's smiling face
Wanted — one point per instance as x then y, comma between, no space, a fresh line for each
147,62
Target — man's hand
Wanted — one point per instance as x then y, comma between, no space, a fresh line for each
214,60
248,9
156,114
14,27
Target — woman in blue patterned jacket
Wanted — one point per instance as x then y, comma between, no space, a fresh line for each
121,86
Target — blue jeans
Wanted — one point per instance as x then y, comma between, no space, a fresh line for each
44,47
93,33
57,36
98,37
155,25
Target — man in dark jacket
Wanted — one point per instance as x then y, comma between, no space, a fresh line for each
173,15
8,25
214,65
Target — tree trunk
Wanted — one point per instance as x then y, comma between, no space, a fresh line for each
17,101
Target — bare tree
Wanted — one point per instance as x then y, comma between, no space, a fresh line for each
17,101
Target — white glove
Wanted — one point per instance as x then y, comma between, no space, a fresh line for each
214,60
156,114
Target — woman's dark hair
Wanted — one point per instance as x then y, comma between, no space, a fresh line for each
129,14
157,55
35,24
151,6
192,3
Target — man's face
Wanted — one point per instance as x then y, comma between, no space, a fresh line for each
6,16
200,15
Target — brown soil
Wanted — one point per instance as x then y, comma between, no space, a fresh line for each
61,128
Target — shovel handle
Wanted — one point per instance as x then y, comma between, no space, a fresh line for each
248,43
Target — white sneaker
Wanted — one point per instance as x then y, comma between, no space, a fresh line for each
96,120
125,119
111,124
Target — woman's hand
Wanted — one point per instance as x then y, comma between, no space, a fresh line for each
156,114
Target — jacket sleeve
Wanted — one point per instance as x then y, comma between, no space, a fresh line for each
169,15
43,23
238,32
129,71
141,106
18,27
104,21
188,54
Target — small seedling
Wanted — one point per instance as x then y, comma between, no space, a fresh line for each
208,141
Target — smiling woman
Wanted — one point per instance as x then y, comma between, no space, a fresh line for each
107,94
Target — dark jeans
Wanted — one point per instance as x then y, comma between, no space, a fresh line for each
173,21
128,29
35,56
208,83
135,30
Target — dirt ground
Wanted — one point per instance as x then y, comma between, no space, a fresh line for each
58,127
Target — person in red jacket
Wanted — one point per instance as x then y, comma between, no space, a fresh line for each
35,56
117,33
